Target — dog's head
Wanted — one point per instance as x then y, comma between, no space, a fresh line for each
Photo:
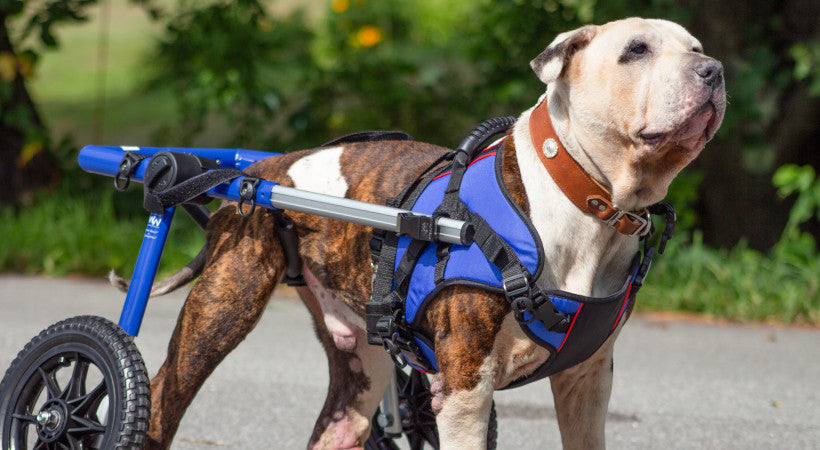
638,97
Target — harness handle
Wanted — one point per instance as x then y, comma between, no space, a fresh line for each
480,134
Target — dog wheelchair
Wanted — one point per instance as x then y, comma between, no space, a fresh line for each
82,383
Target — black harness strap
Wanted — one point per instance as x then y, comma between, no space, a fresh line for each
381,314
384,312
187,190
524,296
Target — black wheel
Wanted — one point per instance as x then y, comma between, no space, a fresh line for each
80,384
417,418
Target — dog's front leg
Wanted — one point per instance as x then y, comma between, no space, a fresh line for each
466,323
465,411
581,398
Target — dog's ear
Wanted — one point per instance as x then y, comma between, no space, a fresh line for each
550,64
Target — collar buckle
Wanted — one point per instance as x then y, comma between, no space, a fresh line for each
642,220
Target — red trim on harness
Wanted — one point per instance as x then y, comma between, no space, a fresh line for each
572,324
474,161
626,299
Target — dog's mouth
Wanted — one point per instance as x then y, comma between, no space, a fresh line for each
693,133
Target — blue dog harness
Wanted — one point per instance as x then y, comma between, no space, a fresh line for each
505,257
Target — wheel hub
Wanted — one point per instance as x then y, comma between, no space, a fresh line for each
52,420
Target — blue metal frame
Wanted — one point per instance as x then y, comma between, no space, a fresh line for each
153,242
105,160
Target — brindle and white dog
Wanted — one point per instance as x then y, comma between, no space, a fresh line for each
633,101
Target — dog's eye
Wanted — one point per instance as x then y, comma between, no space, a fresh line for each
638,49
634,51
697,49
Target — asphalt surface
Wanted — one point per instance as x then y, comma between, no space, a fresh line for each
677,384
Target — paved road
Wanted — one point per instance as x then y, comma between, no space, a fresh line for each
677,385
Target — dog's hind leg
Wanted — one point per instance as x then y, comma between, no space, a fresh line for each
359,373
245,263
581,398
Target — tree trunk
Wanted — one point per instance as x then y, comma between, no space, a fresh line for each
734,202
20,125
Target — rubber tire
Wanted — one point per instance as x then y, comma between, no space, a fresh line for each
100,343
379,441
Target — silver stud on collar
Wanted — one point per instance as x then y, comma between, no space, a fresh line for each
550,148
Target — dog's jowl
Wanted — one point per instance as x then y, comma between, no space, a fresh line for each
627,105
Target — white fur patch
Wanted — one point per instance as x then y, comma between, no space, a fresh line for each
320,172
462,421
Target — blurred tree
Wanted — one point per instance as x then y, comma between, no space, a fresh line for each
28,158
25,157
771,54
281,82
235,60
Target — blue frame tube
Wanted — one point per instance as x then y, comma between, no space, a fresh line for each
105,160
145,270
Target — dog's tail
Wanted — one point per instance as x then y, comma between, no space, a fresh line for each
191,270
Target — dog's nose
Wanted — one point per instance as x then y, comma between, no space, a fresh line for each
710,70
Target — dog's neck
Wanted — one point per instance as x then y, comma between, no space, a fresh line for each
575,182
583,254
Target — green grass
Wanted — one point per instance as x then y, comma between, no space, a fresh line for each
62,233
740,284
66,81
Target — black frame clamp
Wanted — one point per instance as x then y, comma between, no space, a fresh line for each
417,226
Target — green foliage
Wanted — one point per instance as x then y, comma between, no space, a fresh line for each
739,284
797,247
743,283
235,60
66,233
53,13
807,64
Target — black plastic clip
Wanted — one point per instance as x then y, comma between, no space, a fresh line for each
417,226
388,330
521,306
247,193
665,209
126,170
640,276
540,308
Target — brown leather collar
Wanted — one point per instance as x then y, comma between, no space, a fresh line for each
586,193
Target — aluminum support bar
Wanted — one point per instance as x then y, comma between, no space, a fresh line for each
362,213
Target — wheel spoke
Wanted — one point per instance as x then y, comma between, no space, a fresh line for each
74,443
29,418
86,427
76,384
50,380
81,405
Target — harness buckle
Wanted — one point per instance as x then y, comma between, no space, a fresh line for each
516,285
386,327
520,306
